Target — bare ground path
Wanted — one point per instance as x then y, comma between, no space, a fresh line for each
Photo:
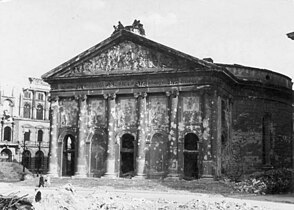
171,192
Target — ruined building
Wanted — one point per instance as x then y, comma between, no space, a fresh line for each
24,133
130,106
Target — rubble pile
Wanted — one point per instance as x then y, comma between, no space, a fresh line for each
67,198
13,202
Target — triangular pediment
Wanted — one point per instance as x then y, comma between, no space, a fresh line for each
125,53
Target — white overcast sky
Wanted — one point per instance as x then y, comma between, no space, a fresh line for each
38,35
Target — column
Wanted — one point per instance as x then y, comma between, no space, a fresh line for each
34,110
53,164
46,106
140,162
173,134
219,137
2,129
207,137
110,162
82,135
21,105
12,130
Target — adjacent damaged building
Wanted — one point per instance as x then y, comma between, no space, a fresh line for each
130,106
24,133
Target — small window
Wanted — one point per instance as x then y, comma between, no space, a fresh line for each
40,135
27,94
27,110
40,96
40,112
7,133
27,135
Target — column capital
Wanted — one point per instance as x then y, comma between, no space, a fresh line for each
173,93
82,97
110,96
140,94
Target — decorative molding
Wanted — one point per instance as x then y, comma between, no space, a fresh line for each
135,83
82,97
140,94
173,93
126,56
110,96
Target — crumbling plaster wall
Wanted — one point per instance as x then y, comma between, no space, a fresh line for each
247,133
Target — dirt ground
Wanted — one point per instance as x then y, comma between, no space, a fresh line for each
67,193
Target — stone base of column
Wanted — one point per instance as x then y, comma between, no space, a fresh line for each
207,170
53,171
110,169
81,172
141,169
109,176
172,175
205,176
78,175
172,178
140,176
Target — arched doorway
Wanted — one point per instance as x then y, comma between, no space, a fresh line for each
39,161
191,156
98,155
6,155
127,155
68,168
158,160
26,159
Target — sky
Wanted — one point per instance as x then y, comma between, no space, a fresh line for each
38,35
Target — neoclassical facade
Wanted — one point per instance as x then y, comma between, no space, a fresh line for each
24,133
132,107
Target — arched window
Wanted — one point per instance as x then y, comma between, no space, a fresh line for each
68,168
7,133
26,159
40,135
39,160
41,96
27,110
40,112
6,155
191,142
7,107
27,94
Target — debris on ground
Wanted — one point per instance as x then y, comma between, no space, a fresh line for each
13,202
67,198
11,171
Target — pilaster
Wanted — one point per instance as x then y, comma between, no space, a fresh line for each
173,131
82,135
218,136
46,106
207,137
110,162
53,166
34,108
140,162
